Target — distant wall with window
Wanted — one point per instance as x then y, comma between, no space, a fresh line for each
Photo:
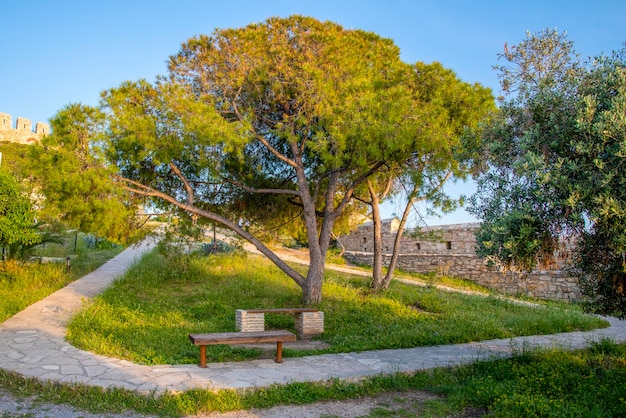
450,250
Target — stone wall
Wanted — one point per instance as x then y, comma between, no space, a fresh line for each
449,250
23,131
446,239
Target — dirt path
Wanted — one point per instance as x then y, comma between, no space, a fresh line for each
400,404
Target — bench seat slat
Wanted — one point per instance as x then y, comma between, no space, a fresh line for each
281,310
278,337
242,337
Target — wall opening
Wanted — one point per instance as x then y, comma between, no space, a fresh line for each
448,245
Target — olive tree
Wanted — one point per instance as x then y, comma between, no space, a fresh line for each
554,168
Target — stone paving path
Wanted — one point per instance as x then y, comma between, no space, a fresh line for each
33,344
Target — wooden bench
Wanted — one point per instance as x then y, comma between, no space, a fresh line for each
278,337
309,321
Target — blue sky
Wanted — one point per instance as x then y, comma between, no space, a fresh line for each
59,52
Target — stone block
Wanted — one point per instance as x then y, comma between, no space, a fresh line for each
249,322
309,324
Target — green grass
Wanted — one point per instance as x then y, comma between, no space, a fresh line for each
22,284
550,382
447,281
204,293
146,316
533,383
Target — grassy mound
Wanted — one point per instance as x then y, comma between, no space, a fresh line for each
146,315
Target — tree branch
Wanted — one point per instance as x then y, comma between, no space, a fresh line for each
266,191
188,188
414,199
348,195
144,190
264,141
274,151
367,202
318,213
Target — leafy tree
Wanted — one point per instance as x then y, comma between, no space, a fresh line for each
17,218
449,108
76,181
286,116
554,169
15,158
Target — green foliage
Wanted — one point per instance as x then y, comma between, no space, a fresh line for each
546,382
23,251
215,247
554,155
77,184
514,242
601,272
270,129
16,159
133,319
17,217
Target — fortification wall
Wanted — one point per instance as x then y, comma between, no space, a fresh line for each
23,132
450,250
445,239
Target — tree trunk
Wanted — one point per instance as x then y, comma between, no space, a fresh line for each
312,286
396,243
377,264
312,289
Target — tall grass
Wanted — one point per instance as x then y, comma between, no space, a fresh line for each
146,315
24,283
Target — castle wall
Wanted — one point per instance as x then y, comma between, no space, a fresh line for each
450,250
446,239
22,133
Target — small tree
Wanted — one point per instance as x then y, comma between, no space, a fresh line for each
76,181
449,109
17,218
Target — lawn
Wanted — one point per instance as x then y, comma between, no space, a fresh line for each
147,314
201,294
24,283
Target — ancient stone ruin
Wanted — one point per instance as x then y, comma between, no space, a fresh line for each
449,250
23,132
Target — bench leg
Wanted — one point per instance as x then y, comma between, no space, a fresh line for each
279,352
203,356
